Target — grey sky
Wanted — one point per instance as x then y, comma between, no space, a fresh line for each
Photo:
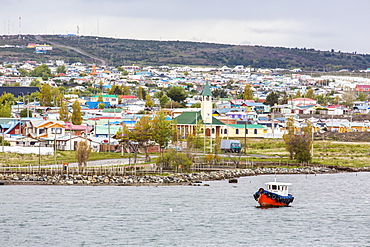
319,24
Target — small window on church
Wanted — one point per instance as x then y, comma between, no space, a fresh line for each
225,131
237,132
255,131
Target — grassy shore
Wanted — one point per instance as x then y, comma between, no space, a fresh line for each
325,153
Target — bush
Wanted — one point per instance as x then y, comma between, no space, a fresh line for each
175,161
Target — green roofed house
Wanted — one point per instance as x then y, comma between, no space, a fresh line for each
112,99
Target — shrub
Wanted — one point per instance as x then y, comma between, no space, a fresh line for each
174,160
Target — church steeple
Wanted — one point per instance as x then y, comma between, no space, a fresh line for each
206,105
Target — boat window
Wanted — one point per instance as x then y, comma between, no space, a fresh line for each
274,187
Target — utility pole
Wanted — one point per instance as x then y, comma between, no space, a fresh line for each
211,137
108,135
245,137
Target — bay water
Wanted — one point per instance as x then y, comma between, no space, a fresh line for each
328,210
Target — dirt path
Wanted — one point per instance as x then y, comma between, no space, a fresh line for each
98,60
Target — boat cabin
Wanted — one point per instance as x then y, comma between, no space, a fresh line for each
278,188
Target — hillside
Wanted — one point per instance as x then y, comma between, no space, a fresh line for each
116,52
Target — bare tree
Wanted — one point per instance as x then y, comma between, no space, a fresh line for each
82,154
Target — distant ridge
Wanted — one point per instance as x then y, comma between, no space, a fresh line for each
118,52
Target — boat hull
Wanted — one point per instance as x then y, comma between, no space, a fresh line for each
268,199
265,201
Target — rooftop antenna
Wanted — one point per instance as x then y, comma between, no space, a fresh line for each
20,26
98,27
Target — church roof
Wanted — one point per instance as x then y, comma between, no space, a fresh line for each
189,118
194,118
206,90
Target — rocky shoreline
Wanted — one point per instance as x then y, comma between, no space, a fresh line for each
172,179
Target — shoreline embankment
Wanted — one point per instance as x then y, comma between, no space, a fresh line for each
171,179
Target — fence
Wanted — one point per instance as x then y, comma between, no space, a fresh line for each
123,170
97,170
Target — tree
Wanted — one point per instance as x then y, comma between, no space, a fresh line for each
173,104
82,154
141,93
6,102
57,96
124,137
272,99
310,94
23,72
142,133
162,130
126,90
5,110
25,113
76,113
63,112
248,92
41,71
7,98
149,102
45,96
348,99
177,94
101,105
163,100
115,90
219,93
297,95
61,69
100,98
361,96
196,105
321,99
284,99
195,140
298,142
35,83
4,142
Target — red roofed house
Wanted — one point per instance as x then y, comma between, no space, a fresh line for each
362,88
78,130
301,102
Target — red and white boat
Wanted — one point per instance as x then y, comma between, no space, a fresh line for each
276,195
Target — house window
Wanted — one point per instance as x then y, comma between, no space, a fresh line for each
225,131
237,132
41,131
255,131
246,131
56,130
213,130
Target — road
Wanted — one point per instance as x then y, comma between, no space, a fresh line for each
101,61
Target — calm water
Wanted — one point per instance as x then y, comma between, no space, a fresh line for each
329,210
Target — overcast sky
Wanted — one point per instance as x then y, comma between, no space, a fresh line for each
319,24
